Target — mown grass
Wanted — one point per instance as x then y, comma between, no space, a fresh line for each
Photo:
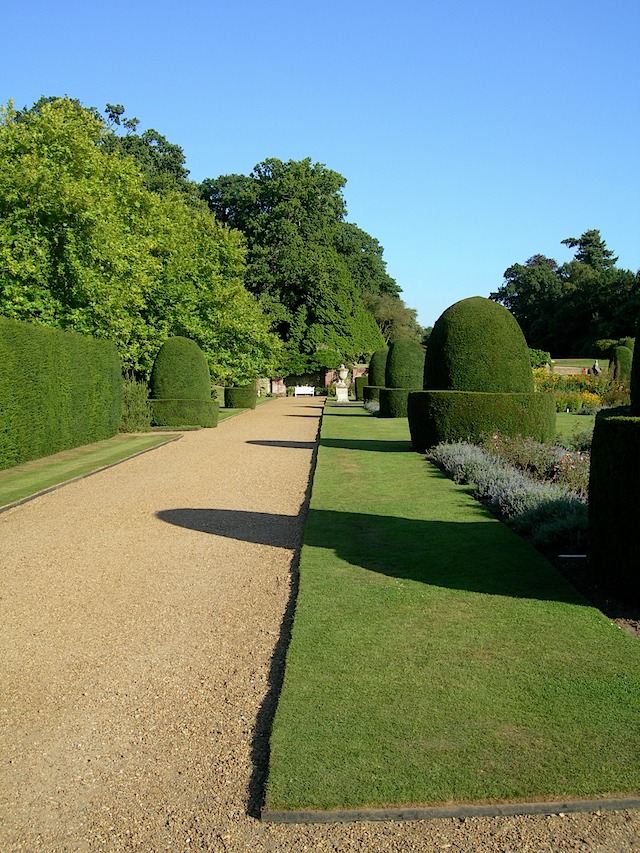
435,656
579,363
567,424
32,477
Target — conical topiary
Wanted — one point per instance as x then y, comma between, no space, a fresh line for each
377,367
478,379
181,386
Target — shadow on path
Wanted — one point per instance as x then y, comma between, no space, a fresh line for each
301,445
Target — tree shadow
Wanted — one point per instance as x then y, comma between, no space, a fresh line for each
381,446
301,445
477,556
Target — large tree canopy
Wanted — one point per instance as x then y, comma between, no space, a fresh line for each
85,245
311,271
565,309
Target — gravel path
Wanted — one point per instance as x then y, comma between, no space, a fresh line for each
141,609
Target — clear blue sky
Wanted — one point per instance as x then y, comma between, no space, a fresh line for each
472,134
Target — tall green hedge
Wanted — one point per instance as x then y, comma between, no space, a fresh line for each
393,402
614,502
620,364
371,392
477,345
377,367
437,416
359,384
57,390
405,365
181,386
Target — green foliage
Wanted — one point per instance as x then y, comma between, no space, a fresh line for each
635,379
136,410
620,364
181,413
393,402
359,384
181,386
582,306
539,357
57,390
85,245
180,371
305,266
614,501
378,367
477,345
405,365
371,392
241,398
438,416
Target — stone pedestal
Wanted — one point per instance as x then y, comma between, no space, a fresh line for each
342,392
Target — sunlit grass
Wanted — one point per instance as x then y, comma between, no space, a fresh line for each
436,657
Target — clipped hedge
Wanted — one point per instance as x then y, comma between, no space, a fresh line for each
241,398
371,392
377,367
358,386
180,412
393,402
614,501
620,364
477,345
58,390
405,365
437,416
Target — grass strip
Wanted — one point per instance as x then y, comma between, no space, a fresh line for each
567,424
436,658
28,479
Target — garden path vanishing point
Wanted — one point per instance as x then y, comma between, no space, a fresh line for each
141,610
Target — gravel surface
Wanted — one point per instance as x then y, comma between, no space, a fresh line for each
142,611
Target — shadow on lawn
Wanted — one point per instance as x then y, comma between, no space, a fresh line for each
477,556
301,445
380,446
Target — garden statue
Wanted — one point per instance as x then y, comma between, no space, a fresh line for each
342,393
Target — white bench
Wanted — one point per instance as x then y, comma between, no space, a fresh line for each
301,390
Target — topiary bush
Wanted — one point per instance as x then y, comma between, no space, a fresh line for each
58,390
136,409
620,364
245,397
359,384
405,365
393,402
181,386
371,392
614,494
478,379
477,345
377,367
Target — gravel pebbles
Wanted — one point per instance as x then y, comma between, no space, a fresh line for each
142,609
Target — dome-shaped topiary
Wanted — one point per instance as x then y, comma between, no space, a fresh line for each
377,367
405,365
181,386
477,345
620,364
180,371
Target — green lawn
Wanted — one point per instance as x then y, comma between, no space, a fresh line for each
567,423
33,477
579,363
435,656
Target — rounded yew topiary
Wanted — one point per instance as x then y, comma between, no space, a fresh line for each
405,365
478,378
477,345
377,367
181,386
